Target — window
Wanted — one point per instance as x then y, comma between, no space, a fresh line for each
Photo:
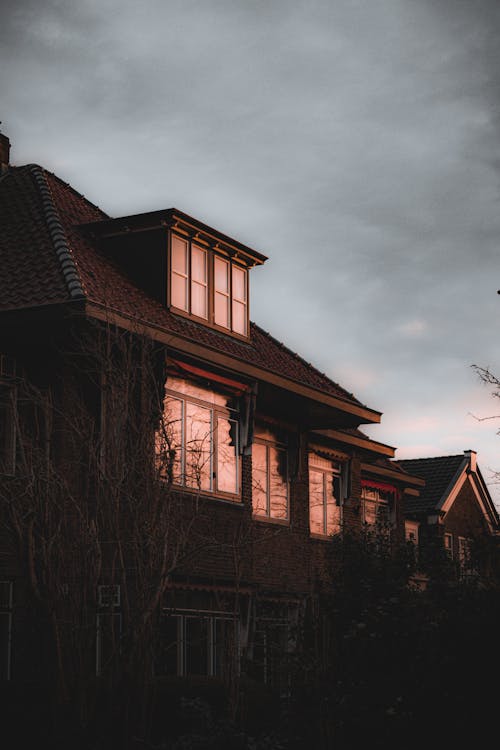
5,629
324,495
269,479
208,286
448,545
109,626
197,643
274,640
7,428
375,504
197,443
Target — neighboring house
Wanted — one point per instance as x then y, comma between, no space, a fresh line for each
454,515
154,440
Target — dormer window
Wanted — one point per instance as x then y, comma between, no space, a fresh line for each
194,270
207,285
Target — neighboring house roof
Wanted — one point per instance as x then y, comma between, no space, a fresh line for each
383,467
444,477
440,474
45,259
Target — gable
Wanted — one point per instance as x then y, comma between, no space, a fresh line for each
465,513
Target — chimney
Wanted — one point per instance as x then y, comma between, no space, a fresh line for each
4,153
471,455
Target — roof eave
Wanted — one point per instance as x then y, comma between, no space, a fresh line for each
188,346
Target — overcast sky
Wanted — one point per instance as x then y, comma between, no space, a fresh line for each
356,143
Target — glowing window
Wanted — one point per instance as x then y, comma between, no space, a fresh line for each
208,286
197,441
324,495
375,504
239,300
269,480
222,293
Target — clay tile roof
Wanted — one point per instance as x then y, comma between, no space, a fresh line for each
439,472
46,259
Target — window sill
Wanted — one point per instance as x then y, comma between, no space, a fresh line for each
209,324
270,519
198,494
324,537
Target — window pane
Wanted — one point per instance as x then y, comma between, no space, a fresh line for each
179,255
332,515
169,441
199,264
196,646
179,275
194,390
316,507
221,275
198,447
227,455
239,284
221,310
239,318
179,291
332,509
199,300
278,483
259,479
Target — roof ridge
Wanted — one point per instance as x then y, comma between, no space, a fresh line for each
57,234
77,192
304,361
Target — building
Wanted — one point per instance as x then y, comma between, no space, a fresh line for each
454,517
172,477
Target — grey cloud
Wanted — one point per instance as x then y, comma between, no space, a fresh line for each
355,143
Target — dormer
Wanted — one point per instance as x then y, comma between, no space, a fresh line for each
191,268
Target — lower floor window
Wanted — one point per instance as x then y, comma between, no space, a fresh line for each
375,507
192,643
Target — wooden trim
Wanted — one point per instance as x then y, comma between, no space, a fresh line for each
395,475
371,445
